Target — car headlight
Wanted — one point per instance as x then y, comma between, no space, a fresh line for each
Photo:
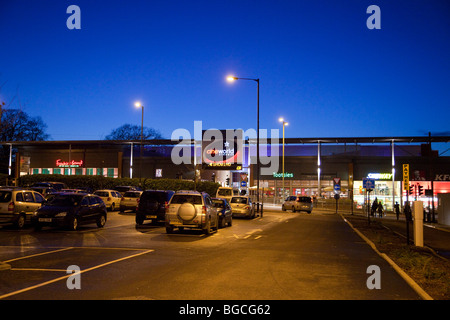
61,214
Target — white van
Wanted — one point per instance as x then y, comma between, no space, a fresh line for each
226,193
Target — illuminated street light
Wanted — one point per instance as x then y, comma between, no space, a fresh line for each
284,124
232,78
139,105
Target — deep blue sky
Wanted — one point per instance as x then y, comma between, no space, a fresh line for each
320,66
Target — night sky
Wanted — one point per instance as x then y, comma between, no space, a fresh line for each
319,66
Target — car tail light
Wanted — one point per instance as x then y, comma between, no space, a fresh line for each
11,206
204,209
166,205
246,207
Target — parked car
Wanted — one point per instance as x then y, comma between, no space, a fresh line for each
18,205
191,209
224,211
130,201
152,205
45,191
298,203
226,193
73,190
111,198
55,185
71,209
242,206
123,189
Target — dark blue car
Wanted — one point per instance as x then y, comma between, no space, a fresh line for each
68,209
224,212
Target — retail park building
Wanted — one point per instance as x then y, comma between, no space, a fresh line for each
312,166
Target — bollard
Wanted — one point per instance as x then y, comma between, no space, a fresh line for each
418,223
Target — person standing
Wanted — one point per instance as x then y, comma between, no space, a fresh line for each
380,209
397,209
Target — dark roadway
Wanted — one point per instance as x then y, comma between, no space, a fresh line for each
282,256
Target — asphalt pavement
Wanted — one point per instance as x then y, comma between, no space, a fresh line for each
280,256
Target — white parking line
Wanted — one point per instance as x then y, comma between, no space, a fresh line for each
68,275
38,254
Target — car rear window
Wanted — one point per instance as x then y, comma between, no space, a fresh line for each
304,199
5,196
101,193
182,198
224,192
130,194
218,203
65,200
239,200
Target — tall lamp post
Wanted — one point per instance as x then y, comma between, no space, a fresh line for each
284,124
231,79
139,105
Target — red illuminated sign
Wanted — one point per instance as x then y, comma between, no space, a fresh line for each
69,164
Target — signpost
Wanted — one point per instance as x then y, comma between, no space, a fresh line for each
337,190
369,185
406,179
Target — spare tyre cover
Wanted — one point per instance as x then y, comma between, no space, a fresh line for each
186,211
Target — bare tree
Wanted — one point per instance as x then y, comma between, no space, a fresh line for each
133,132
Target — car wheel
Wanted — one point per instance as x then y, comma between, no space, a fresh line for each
230,223
222,222
101,221
113,207
139,220
207,229
283,208
20,223
169,230
73,225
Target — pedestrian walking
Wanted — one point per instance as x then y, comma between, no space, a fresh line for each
380,209
397,209
374,207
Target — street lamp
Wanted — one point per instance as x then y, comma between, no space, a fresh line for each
139,105
284,124
231,78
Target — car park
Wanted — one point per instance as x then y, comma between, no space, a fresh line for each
153,205
191,209
18,205
130,201
298,203
242,206
111,198
68,209
224,211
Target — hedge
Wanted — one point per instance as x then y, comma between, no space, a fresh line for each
100,182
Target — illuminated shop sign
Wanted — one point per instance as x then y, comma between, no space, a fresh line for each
69,164
380,176
222,149
280,175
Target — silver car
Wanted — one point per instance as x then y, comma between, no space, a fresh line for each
130,201
242,206
298,203
191,209
17,206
